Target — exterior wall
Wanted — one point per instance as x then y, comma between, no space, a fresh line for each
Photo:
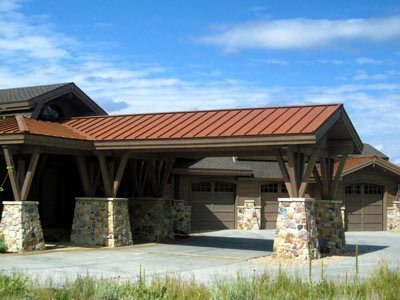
248,189
393,223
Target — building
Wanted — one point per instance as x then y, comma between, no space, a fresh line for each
76,173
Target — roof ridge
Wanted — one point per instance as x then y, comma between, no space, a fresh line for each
36,86
80,132
212,110
22,126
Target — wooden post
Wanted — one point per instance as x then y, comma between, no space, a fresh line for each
120,173
83,172
307,174
293,173
284,172
29,175
12,173
105,174
338,176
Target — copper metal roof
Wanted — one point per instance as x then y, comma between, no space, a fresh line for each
205,124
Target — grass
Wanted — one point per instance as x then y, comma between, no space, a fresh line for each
383,284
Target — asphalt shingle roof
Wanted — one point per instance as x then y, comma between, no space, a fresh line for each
261,169
26,93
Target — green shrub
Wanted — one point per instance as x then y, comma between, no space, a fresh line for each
3,246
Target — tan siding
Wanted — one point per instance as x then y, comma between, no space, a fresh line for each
248,190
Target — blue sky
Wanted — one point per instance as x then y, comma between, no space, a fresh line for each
177,55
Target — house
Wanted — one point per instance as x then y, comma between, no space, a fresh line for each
69,167
369,186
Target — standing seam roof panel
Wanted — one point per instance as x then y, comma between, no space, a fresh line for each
183,128
133,121
105,127
157,123
163,121
255,122
132,131
209,118
246,119
299,127
171,127
209,130
267,121
220,131
280,121
293,120
120,126
161,126
320,119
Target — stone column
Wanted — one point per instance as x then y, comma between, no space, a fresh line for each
393,217
182,216
20,226
101,222
330,227
249,216
296,234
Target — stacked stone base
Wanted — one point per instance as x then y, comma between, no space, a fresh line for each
296,231
330,227
20,226
182,216
152,219
393,217
101,222
249,216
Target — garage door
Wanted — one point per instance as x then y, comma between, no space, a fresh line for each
364,207
270,193
213,205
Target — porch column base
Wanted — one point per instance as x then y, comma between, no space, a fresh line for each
101,222
249,216
330,227
20,226
296,230
393,217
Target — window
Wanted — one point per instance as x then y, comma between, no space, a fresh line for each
224,187
372,189
354,189
283,188
201,187
269,188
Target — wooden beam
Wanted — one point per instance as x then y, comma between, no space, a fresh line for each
338,176
293,171
285,175
307,174
166,173
325,178
318,181
105,174
12,173
120,173
26,187
84,174
21,171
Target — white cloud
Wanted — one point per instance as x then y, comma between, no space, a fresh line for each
362,75
294,34
277,62
331,61
369,61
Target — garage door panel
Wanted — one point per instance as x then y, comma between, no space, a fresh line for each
364,211
224,208
200,197
373,227
374,210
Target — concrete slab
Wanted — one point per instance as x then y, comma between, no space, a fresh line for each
204,256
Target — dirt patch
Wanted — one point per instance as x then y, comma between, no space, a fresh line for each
269,260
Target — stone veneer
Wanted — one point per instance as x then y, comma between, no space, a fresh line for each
296,229
152,219
330,227
249,216
101,222
20,226
393,217
182,216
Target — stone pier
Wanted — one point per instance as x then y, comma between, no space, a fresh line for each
182,216
101,222
296,234
20,226
249,216
393,217
330,227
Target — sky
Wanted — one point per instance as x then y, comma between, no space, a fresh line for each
148,56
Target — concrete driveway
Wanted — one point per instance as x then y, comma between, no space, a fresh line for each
203,256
